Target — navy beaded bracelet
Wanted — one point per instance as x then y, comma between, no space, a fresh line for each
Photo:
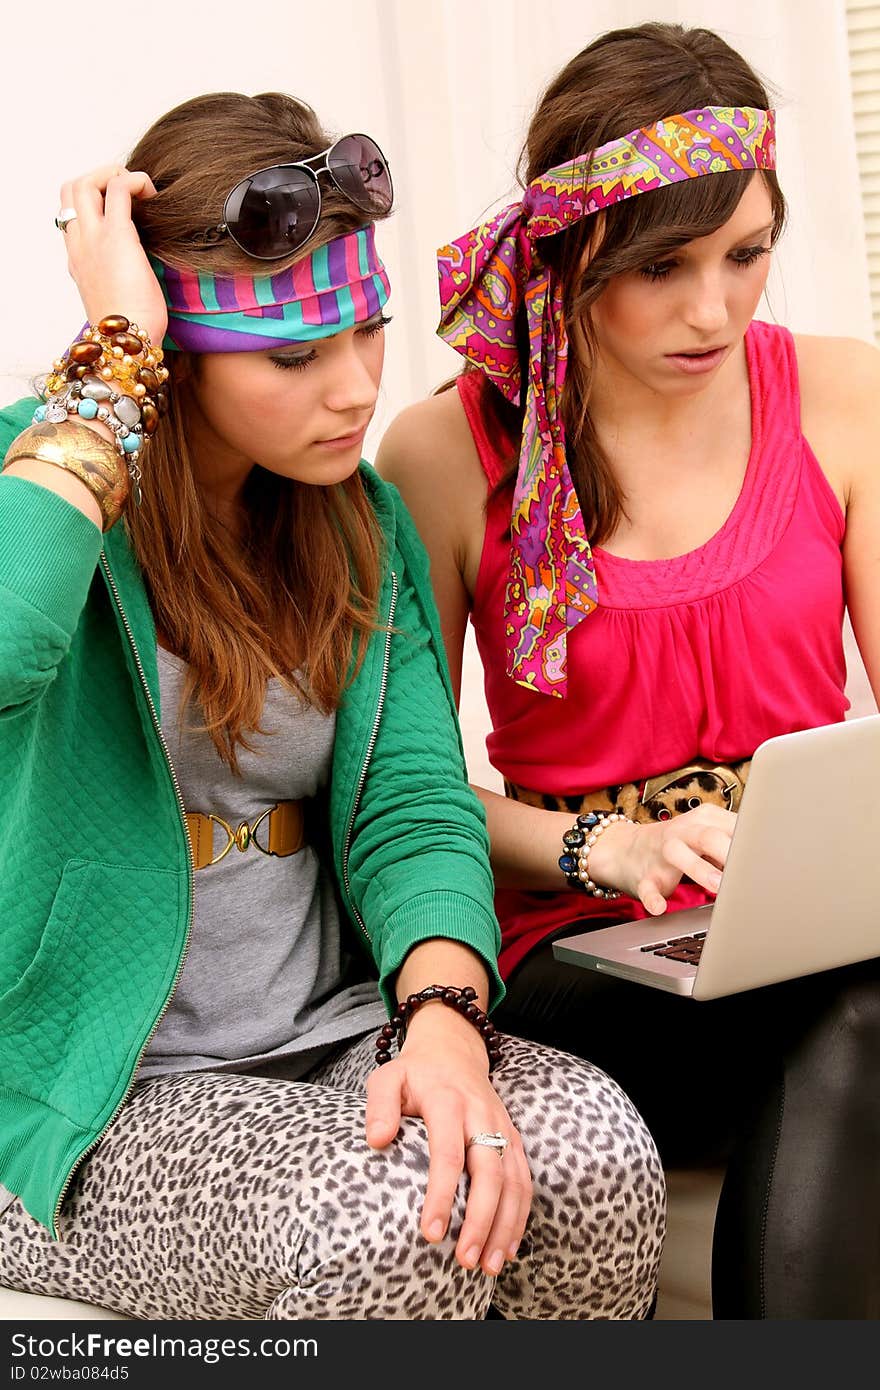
577,843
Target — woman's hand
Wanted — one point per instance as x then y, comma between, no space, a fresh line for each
442,1076
649,860
104,253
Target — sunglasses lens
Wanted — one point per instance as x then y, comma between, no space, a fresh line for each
360,171
273,212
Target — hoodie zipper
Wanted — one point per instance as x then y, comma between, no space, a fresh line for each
383,686
164,746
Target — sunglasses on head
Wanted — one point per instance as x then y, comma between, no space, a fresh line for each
274,211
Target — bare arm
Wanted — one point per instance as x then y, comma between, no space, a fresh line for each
526,842
443,485
840,393
429,455
861,558
861,546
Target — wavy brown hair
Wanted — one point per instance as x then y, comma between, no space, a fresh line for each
626,79
295,595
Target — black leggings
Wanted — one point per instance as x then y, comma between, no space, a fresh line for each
782,1083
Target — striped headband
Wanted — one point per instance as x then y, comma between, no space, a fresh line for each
339,285
486,275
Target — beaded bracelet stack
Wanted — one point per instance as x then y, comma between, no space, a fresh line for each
112,373
577,843
464,1000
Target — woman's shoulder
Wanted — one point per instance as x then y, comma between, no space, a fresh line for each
837,370
428,452
432,434
840,400
830,370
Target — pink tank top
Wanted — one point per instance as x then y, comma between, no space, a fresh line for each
702,656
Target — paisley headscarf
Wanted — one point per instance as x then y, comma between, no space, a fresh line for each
484,278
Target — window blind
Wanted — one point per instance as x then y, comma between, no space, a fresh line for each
863,27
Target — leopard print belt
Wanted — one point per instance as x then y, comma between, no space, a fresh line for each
656,798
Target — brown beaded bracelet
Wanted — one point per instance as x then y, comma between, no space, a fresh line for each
464,1000
112,373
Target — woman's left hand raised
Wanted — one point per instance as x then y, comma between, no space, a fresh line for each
442,1076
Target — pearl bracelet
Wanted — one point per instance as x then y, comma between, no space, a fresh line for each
577,843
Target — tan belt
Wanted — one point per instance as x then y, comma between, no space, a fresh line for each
285,833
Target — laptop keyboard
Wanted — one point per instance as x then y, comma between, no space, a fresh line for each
683,948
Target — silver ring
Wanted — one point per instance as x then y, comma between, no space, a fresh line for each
490,1141
64,216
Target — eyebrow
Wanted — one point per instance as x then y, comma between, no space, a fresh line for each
295,349
755,236
292,349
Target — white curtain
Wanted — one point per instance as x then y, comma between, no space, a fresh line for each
461,79
447,88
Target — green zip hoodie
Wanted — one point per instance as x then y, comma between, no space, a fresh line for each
95,869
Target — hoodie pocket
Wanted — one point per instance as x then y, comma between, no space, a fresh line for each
75,1022
42,979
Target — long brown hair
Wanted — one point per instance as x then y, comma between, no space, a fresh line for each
296,595
626,79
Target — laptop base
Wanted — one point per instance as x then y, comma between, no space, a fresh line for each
621,950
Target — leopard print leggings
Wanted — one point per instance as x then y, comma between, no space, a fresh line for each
215,1196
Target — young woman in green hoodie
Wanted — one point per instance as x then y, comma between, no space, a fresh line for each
217,652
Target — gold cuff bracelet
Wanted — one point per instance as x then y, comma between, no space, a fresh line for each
83,452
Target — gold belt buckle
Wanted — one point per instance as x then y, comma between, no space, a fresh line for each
286,826
704,780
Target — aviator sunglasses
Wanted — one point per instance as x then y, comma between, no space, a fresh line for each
274,211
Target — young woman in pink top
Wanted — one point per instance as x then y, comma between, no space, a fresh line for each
654,509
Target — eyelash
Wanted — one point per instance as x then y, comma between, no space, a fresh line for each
662,269
288,364
371,329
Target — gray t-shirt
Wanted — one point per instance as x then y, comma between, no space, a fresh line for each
268,974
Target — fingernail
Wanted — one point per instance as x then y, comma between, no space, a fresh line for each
471,1256
495,1261
435,1230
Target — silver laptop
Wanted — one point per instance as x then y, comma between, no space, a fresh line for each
799,892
